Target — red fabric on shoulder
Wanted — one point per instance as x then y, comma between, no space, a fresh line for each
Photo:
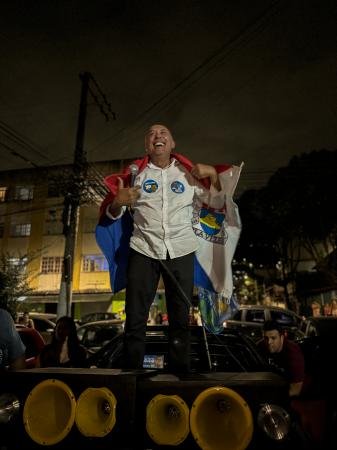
111,181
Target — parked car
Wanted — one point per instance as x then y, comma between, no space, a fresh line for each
93,335
228,351
34,343
250,319
96,316
44,323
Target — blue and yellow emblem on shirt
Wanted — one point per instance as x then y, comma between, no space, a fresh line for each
177,187
150,186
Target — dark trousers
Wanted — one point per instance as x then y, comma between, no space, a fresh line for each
142,282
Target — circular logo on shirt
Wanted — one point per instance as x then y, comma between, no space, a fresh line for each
150,186
177,187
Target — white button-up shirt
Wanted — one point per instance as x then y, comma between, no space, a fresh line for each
163,212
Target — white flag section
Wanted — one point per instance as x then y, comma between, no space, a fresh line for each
218,232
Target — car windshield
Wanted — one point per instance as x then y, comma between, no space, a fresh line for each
283,318
98,336
229,351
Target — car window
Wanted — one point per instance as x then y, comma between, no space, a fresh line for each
253,315
311,330
89,339
237,315
42,325
283,318
303,326
80,333
97,337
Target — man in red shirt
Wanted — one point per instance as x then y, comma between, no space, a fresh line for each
283,354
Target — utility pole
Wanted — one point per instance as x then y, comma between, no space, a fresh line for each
72,203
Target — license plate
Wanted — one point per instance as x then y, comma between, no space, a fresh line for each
153,362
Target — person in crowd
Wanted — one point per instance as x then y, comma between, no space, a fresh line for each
285,355
26,320
65,349
163,241
12,349
316,308
334,306
159,318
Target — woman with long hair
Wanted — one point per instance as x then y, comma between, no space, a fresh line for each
65,349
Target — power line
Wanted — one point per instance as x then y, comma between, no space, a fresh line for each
17,154
209,64
14,136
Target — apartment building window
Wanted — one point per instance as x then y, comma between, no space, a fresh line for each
95,263
3,192
23,193
2,228
53,223
51,264
20,229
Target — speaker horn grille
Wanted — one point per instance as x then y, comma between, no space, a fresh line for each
49,412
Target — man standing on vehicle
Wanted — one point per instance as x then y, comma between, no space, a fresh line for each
163,241
12,349
283,354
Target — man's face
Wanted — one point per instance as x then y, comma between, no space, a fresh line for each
274,341
159,141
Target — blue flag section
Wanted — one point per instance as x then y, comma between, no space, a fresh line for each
215,309
113,237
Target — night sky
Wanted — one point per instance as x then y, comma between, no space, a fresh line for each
252,81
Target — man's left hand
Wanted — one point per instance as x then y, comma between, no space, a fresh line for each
200,171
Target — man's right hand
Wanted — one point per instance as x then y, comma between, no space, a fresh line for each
124,197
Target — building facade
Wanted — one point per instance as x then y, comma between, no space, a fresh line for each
31,234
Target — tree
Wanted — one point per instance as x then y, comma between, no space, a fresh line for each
13,283
294,211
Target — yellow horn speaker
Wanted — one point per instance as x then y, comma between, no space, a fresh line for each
167,419
49,412
96,412
220,419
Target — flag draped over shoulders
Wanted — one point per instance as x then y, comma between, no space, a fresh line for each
217,231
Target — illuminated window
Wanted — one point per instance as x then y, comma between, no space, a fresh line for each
23,193
95,263
20,229
51,264
3,191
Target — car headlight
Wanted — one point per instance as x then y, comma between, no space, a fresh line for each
9,407
274,421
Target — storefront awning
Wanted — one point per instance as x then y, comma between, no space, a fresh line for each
76,298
